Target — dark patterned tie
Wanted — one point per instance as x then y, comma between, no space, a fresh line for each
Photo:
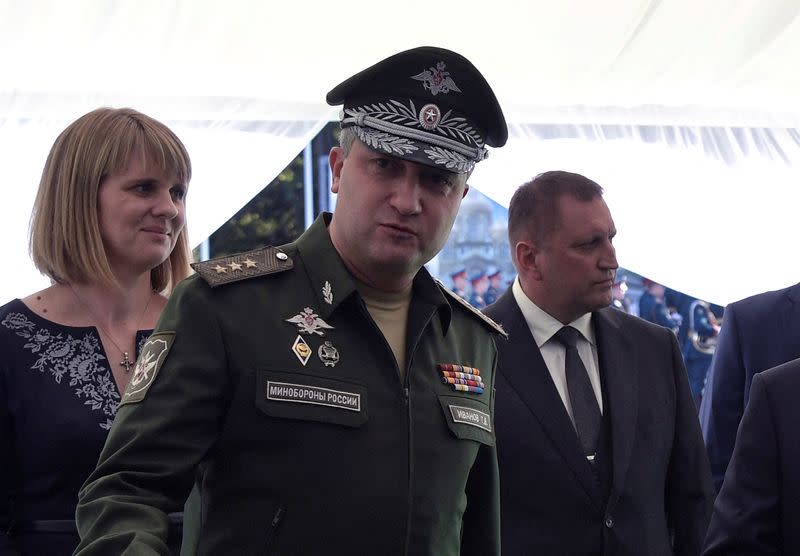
585,410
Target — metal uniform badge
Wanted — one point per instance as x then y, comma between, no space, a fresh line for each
327,293
328,354
308,322
429,116
437,80
301,349
152,357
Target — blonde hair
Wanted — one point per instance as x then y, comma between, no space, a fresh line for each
65,242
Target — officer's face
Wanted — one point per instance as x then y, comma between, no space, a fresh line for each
576,263
392,216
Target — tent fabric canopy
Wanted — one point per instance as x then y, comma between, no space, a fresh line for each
686,112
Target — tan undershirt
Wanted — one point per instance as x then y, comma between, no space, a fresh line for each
389,310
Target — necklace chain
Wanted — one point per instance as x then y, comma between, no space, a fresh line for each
126,362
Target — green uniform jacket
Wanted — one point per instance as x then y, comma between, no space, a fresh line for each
336,455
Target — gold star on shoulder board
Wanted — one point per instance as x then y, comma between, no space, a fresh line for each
220,269
250,263
235,266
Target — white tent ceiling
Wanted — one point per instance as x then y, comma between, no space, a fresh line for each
243,82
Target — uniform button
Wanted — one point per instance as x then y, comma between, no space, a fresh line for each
281,256
609,522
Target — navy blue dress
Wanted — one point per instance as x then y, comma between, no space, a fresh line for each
57,401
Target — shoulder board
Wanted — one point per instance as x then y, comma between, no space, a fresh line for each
241,266
474,310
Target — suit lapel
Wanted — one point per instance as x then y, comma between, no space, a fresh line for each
522,365
618,366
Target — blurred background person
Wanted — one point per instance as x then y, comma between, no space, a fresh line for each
653,308
495,276
618,298
480,285
109,229
460,286
699,344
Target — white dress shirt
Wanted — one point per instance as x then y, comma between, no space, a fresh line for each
543,327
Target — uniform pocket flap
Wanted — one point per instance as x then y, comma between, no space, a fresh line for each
468,418
311,398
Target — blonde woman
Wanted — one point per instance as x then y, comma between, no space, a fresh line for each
109,228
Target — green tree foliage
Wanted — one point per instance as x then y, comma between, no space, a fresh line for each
273,217
276,215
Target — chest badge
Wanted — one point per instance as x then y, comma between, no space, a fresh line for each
308,322
328,354
461,378
301,349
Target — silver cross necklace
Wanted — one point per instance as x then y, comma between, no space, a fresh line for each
126,362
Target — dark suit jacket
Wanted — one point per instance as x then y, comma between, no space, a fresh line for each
661,492
756,511
758,333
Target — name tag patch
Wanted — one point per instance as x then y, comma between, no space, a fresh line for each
470,416
315,395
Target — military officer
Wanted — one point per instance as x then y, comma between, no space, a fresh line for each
495,276
480,285
459,278
327,396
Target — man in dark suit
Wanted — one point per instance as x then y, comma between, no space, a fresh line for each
601,455
653,306
757,333
756,511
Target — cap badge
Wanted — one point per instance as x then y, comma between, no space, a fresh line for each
308,322
328,354
430,116
327,293
437,80
301,349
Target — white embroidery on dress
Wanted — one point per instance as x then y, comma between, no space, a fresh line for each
80,359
